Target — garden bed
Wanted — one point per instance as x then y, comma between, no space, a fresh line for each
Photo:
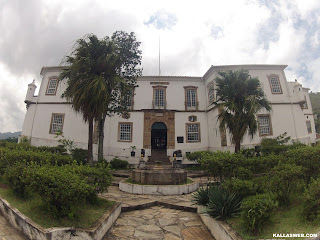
31,218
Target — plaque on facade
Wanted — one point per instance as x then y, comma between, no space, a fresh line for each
126,115
192,118
159,114
180,139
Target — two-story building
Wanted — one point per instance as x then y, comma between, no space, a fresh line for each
169,112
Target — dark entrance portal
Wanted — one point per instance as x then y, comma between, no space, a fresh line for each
159,136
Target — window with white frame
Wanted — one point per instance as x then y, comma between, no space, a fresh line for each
56,123
159,97
275,84
125,132
211,93
193,132
309,127
191,98
52,86
264,124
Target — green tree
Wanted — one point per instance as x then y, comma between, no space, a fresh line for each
99,74
239,98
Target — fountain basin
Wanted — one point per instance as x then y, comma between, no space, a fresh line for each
158,189
159,176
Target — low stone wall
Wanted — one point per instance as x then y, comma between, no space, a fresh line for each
219,230
158,189
35,232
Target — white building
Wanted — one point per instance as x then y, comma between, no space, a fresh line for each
170,112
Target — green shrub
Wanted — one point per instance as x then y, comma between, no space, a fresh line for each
197,155
309,159
275,145
80,155
283,180
243,173
256,211
8,157
117,163
18,180
61,189
311,205
243,188
222,204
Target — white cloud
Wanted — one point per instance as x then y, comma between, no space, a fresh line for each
38,33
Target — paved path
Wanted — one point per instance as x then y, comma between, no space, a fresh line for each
159,223
7,232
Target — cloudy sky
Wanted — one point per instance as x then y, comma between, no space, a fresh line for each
194,35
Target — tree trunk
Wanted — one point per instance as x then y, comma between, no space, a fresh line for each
90,141
101,137
237,147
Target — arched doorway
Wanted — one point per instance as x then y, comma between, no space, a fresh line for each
159,136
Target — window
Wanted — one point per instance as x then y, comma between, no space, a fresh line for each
193,132
52,86
309,127
211,93
125,132
305,105
159,98
264,124
128,99
275,84
56,123
191,98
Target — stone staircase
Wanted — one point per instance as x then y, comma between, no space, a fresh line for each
159,155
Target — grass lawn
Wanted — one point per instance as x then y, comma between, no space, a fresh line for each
285,220
34,209
129,180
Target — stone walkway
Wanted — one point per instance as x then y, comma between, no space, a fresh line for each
159,223
7,232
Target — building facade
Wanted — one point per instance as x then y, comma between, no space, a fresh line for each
173,113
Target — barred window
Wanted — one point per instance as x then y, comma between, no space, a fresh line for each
125,132
159,97
52,86
275,84
211,94
56,123
309,127
264,125
193,132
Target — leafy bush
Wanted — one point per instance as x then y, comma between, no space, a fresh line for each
243,173
61,189
117,163
256,211
311,205
8,157
197,155
283,180
222,204
309,159
243,188
80,155
18,180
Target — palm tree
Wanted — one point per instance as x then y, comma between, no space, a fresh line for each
239,98
98,75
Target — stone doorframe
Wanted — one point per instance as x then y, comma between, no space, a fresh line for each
168,118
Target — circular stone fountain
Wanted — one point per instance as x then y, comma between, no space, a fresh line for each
158,180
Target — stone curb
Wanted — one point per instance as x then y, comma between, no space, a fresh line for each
158,203
34,231
219,230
